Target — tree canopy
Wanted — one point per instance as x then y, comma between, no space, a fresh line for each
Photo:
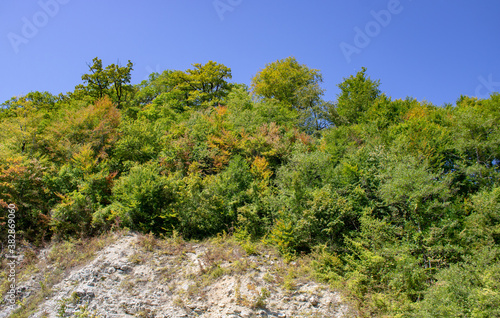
396,201
296,87
357,94
112,81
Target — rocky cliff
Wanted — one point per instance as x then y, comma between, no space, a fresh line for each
131,275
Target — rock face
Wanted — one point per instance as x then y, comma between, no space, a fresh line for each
126,279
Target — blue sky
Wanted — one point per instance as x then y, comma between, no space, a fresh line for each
430,50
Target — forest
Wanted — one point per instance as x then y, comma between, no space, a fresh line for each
397,201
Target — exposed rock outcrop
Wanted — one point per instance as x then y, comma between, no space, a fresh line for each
137,276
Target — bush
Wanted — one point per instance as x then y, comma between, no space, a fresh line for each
23,183
209,205
141,201
468,289
83,186
72,216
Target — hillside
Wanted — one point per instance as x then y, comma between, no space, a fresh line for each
395,202
131,275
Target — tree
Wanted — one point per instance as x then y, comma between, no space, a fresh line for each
205,85
297,87
119,77
97,81
314,109
22,182
357,94
477,137
95,125
284,79
113,81
151,88
199,88
41,101
23,125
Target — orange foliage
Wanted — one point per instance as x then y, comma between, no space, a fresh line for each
95,125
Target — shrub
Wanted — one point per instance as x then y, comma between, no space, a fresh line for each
468,289
23,183
141,200
72,216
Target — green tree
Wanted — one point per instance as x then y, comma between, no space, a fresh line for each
119,77
43,102
95,125
282,80
22,182
203,86
112,81
25,119
414,193
151,88
477,139
296,87
141,200
21,129
356,96
97,82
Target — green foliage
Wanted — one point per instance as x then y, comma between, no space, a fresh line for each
41,102
327,267
151,88
22,183
201,87
140,141
468,289
283,79
383,112
397,204
210,205
141,200
95,125
112,81
247,115
425,134
482,225
83,186
72,216
200,207
296,87
25,119
206,84
357,94
412,192
477,139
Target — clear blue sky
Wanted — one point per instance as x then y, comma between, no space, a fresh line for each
428,49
